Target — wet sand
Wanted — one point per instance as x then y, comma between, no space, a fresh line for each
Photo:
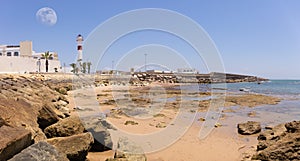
222,143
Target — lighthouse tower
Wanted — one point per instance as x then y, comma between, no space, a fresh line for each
79,49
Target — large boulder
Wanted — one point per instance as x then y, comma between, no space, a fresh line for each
76,147
66,127
13,140
41,151
99,129
128,151
249,128
46,116
279,143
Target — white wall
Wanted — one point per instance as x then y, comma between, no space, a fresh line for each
25,64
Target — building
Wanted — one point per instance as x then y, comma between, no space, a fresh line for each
187,71
22,59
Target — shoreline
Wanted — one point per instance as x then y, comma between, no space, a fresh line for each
224,141
168,154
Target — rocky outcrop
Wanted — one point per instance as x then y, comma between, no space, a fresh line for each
40,151
12,140
279,143
66,127
293,127
46,117
23,100
75,147
249,128
252,100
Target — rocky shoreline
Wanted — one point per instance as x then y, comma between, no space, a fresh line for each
28,106
38,119
281,142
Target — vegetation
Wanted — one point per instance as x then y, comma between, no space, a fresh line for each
89,64
73,65
47,56
84,67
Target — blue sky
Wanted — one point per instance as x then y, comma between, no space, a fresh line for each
253,36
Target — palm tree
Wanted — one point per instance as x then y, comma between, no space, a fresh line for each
89,66
73,65
84,67
46,56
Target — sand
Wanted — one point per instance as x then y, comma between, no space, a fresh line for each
223,143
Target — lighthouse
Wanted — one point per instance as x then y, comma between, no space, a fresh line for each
79,40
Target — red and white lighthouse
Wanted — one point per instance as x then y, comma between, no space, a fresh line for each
79,48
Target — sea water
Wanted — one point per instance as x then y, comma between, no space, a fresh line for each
272,87
288,109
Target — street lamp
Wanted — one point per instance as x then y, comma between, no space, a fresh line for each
145,62
39,64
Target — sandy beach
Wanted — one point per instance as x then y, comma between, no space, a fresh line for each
168,117
223,142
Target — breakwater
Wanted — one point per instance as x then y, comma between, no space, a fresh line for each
147,78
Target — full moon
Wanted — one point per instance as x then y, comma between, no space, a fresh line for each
46,16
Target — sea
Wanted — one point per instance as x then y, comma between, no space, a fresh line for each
283,88
288,109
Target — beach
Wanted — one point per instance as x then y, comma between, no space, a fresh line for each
172,116
223,142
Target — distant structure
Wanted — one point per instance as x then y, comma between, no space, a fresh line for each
159,71
22,59
187,71
79,41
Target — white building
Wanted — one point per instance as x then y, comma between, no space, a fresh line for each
22,59
187,71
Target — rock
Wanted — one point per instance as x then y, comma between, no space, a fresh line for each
41,151
201,119
46,117
13,140
63,102
273,133
62,91
252,114
128,151
161,125
65,111
21,103
66,127
268,127
293,126
3,122
282,142
130,122
102,141
218,125
99,129
60,113
76,147
249,128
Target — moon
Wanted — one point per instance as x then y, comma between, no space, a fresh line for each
46,16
